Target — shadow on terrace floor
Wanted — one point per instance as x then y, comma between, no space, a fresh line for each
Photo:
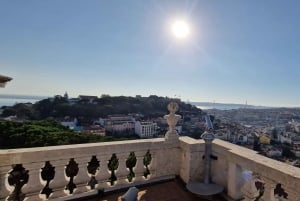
167,191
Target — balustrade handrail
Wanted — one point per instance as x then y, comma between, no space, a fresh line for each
251,159
24,155
80,168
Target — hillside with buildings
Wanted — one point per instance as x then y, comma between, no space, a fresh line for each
119,117
272,132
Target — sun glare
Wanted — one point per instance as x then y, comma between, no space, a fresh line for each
180,29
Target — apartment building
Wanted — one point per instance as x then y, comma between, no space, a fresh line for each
118,123
146,129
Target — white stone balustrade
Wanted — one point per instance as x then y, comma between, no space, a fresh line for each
33,159
269,171
181,158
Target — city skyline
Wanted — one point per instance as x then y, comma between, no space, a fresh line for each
236,52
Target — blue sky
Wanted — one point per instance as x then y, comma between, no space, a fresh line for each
237,51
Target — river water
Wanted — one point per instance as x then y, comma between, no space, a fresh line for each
11,101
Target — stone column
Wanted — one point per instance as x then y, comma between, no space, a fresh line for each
293,194
185,165
269,190
60,181
122,171
232,180
152,167
34,186
139,168
172,120
103,174
82,178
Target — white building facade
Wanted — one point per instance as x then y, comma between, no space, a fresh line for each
69,122
118,123
146,129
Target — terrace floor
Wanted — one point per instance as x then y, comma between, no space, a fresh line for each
167,191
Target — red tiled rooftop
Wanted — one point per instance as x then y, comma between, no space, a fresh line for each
167,191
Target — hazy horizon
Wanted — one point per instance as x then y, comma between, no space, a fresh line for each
210,103
236,51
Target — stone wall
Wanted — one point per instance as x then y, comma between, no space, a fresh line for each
80,170
71,171
280,181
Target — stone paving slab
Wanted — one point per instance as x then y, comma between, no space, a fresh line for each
167,191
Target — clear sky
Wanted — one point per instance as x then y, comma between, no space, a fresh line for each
237,51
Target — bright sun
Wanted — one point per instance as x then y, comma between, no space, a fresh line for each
180,29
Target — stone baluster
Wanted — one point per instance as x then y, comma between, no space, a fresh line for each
103,174
268,190
122,170
139,168
148,161
82,178
34,185
60,181
286,192
5,189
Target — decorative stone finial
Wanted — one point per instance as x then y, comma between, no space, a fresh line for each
172,120
173,107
